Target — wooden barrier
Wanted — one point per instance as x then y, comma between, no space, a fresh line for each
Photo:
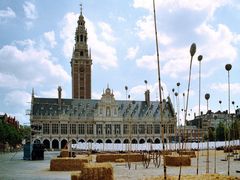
133,157
177,160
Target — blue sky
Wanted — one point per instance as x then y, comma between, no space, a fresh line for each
37,39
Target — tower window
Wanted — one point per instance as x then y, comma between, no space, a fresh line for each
81,53
81,38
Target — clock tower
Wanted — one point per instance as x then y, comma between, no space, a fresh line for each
81,63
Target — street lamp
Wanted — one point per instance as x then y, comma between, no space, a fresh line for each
228,67
192,52
207,96
199,105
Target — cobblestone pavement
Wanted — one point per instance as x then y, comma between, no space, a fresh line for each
12,166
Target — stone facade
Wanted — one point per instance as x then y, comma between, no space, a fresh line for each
82,119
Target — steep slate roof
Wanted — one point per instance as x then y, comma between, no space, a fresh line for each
88,107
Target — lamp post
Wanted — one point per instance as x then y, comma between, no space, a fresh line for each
207,96
199,105
192,52
178,123
220,102
228,67
178,105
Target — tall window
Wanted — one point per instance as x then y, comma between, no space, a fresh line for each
157,128
108,129
89,128
134,129
73,128
149,129
125,129
141,129
54,128
117,129
63,128
99,128
45,128
81,129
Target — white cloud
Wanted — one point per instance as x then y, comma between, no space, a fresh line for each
8,13
218,40
103,54
52,93
30,10
11,81
234,87
210,6
30,66
17,98
25,43
107,32
121,19
145,30
50,37
172,61
29,24
132,52
68,33
148,62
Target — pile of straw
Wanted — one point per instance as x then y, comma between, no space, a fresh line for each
133,157
177,160
67,164
197,177
97,171
189,153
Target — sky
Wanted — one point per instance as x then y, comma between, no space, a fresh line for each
37,39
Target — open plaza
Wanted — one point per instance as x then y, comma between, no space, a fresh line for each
13,166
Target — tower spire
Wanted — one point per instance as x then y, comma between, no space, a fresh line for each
80,9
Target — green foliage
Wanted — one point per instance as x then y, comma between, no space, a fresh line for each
211,134
10,134
221,132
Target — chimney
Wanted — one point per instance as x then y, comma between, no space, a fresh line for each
147,97
59,96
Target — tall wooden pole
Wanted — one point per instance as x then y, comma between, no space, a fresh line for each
159,88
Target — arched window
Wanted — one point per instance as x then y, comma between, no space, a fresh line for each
81,53
81,38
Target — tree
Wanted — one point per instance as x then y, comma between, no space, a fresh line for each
220,131
211,134
10,135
